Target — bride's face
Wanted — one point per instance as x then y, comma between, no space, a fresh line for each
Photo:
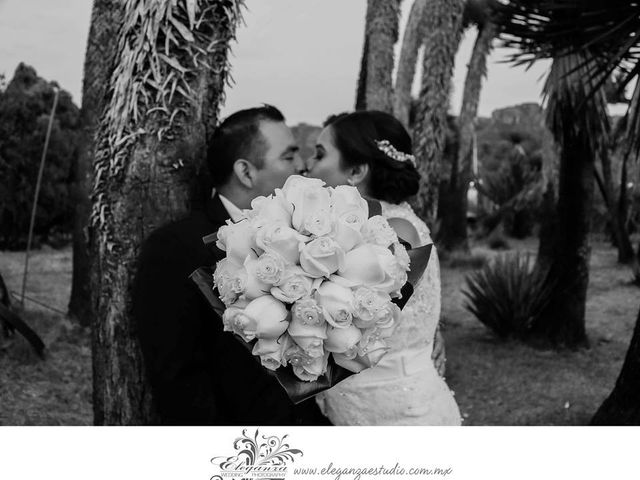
325,164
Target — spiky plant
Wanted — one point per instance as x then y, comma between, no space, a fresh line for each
508,295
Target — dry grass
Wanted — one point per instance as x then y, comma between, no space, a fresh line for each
57,390
496,382
507,383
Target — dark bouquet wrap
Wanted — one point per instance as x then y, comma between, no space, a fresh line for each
312,283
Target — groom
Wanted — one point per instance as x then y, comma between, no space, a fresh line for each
199,374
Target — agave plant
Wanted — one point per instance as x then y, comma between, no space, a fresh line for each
508,295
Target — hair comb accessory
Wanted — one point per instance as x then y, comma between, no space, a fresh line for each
390,151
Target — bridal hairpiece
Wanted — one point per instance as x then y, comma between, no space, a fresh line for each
390,151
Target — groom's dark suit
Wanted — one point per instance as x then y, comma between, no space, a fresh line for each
199,374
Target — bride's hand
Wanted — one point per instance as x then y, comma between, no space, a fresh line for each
438,353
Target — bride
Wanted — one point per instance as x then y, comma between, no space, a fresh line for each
372,151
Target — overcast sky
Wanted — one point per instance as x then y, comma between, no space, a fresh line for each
300,55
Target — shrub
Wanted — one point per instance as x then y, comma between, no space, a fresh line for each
509,294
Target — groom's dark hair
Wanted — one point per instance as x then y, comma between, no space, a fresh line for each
238,136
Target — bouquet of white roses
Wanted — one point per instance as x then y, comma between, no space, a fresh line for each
309,280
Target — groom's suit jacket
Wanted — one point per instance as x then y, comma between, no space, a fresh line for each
199,374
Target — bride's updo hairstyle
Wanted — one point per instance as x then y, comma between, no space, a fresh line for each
355,135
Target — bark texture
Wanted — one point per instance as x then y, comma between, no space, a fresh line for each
443,27
139,187
412,40
375,85
622,406
106,19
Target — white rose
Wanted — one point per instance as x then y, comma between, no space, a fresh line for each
295,184
230,279
372,350
321,257
272,351
378,231
270,268
370,306
311,205
235,320
337,304
254,286
305,367
271,210
238,240
362,266
343,340
345,198
294,284
394,275
282,240
307,327
269,315
307,312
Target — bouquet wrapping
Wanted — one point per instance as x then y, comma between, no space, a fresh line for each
311,283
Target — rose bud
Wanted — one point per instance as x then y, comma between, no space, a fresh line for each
238,240
271,351
343,340
362,266
269,315
304,366
337,303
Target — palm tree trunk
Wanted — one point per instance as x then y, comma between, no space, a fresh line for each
443,27
622,407
412,41
146,165
616,210
579,130
453,229
375,85
106,18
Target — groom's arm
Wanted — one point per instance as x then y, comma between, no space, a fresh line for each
170,318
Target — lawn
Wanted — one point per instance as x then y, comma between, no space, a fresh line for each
496,382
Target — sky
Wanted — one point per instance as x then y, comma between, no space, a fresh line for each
301,55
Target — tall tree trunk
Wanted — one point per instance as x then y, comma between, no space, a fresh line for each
453,227
375,85
411,42
443,27
622,406
578,127
163,103
616,209
106,19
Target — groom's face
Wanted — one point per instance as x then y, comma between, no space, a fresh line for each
281,158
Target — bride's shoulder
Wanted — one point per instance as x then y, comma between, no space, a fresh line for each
406,223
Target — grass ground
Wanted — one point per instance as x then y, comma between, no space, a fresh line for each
496,382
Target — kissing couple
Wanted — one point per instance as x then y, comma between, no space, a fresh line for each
201,375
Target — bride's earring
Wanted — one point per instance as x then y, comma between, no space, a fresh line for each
351,182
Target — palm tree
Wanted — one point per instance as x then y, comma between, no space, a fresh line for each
375,84
106,19
609,33
411,42
453,229
170,69
443,27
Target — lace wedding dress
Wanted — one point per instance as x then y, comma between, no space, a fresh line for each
404,388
